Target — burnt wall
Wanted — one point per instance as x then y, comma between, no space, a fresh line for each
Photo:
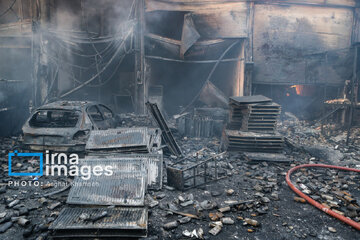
302,44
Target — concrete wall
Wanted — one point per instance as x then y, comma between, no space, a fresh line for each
290,41
302,44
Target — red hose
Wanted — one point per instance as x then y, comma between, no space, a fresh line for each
315,203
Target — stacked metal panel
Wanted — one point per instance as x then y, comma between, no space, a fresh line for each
122,140
252,125
252,142
124,188
136,160
119,222
259,114
154,165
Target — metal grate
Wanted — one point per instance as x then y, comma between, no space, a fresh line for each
184,176
121,139
254,117
251,141
119,222
154,165
126,187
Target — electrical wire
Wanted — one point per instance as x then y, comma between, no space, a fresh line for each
121,44
194,61
108,53
102,70
210,75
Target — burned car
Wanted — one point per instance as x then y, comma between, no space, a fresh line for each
64,126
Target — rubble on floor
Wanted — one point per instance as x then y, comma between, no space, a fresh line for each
249,200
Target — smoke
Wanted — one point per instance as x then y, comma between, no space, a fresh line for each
56,56
2,97
87,35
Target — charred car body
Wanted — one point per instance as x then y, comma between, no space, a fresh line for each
65,125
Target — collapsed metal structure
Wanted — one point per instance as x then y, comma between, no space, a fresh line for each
68,55
136,159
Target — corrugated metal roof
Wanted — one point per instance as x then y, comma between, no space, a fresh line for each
119,222
126,187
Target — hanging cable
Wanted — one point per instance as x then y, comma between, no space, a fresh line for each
210,75
102,70
122,44
108,53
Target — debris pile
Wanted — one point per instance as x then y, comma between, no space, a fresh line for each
332,188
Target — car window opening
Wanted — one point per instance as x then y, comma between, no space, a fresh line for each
54,119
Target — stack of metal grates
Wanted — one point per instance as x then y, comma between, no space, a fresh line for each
252,125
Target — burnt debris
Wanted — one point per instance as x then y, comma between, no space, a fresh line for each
179,119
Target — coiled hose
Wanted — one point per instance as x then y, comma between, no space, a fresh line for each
315,203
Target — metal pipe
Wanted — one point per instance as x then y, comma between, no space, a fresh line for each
352,105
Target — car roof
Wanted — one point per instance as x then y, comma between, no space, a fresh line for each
68,105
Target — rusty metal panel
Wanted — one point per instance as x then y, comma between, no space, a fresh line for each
125,187
119,222
154,165
189,34
166,133
120,139
223,19
222,24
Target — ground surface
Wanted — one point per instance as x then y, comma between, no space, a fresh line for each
270,200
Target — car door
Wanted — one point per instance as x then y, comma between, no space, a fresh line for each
109,118
96,117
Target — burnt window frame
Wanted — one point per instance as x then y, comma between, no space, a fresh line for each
91,118
107,108
32,125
